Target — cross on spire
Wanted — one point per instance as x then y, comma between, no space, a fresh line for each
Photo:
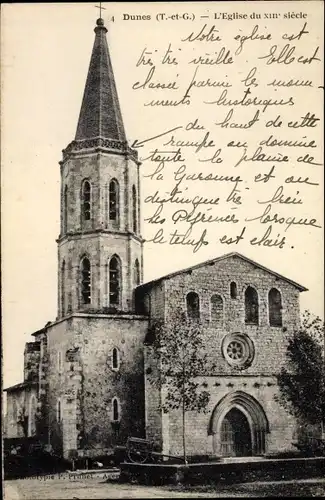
100,8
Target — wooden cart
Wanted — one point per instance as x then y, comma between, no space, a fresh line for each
140,450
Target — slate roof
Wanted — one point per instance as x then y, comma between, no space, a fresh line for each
100,114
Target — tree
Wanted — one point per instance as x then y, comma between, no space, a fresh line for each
177,347
302,382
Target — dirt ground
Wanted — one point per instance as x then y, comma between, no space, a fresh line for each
65,486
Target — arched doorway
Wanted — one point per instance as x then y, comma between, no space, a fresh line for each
238,426
235,435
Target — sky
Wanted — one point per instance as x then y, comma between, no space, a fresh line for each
45,56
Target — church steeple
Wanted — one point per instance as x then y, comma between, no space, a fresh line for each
100,114
100,243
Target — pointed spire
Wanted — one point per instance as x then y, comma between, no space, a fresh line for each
100,114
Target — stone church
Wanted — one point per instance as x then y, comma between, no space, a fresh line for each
85,385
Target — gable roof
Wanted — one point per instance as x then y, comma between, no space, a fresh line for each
21,385
41,330
211,262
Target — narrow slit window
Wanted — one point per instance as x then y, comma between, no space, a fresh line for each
114,281
233,290
58,411
85,281
193,305
275,307
116,410
136,272
217,309
251,306
86,200
115,359
113,201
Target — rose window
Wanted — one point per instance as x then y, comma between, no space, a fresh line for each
238,350
235,350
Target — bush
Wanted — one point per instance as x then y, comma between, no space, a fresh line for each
311,447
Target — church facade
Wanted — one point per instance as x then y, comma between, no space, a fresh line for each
86,387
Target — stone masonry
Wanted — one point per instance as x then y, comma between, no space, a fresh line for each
269,343
86,387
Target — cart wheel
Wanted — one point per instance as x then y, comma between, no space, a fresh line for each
138,457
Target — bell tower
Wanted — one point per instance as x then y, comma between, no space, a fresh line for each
100,245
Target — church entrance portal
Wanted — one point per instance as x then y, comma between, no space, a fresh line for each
239,426
235,435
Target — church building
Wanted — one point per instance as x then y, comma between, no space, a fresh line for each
86,386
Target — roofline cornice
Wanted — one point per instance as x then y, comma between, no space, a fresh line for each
99,145
101,232
211,262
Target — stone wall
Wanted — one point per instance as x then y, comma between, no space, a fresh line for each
153,412
99,249
29,399
99,169
268,346
21,411
42,403
262,389
150,300
31,361
87,383
270,343
99,238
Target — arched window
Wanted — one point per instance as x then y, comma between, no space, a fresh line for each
32,416
58,410
251,306
193,305
275,307
233,290
65,209
113,200
217,309
85,281
86,200
116,410
114,281
115,359
63,277
134,210
136,272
